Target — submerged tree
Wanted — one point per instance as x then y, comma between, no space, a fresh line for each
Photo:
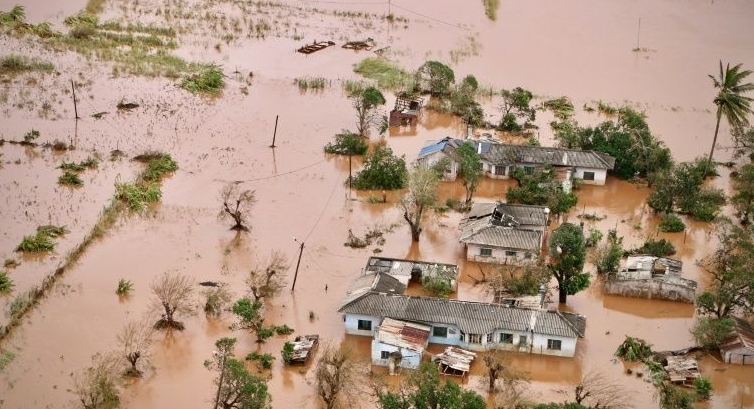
424,388
266,281
237,388
251,317
606,257
516,105
595,390
237,205
471,170
423,184
541,188
366,102
382,170
96,386
567,257
743,184
730,101
136,341
173,297
435,78
336,377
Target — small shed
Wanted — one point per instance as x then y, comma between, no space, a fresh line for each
303,347
454,361
406,111
399,344
682,370
738,346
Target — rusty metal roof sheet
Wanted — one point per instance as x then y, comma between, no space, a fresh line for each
403,334
742,337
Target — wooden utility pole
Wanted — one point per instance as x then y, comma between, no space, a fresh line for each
275,133
638,35
298,263
75,108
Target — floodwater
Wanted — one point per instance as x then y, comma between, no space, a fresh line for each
582,49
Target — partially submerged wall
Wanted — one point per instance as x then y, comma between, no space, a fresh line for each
651,289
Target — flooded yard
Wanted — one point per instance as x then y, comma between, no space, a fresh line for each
581,49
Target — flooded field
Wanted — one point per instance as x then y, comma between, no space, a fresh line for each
581,49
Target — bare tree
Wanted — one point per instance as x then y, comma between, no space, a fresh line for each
265,281
216,299
173,296
136,340
509,385
421,195
237,204
595,390
336,377
96,386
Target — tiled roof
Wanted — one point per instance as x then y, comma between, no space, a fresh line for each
503,154
483,232
470,317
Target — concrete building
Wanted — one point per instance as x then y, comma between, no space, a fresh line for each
651,277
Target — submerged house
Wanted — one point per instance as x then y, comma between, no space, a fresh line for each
406,111
413,270
434,151
499,160
504,233
399,344
651,277
738,346
476,326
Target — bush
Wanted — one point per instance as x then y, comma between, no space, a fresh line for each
209,79
382,170
136,196
52,231
703,388
264,361
283,330
69,178
438,286
347,143
157,166
6,284
124,287
657,248
671,223
31,135
634,349
37,243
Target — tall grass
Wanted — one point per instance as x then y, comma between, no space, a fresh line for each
13,63
388,75
306,83
208,79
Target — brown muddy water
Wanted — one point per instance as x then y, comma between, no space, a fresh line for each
582,49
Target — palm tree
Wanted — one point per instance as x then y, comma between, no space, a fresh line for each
730,101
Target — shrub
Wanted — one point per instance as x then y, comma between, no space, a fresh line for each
657,248
703,388
594,237
347,143
136,196
69,178
31,135
634,349
37,243
382,170
52,231
208,79
438,286
287,352
283,330
157,166
671,223
6,284
264,361
124,287
217,299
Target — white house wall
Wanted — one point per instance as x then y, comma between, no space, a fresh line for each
473,253
434,157
352,324
600,175
411,359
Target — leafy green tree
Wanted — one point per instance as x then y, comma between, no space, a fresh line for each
382,170
731,286
730,101
743,184
237,388
681,189
607,256
435,77
424,389
540,188
250,317
471,170
516,105
366,102
423,184
347,143
567,257
709,332
463,102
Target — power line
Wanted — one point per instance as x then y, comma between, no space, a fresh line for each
323,211
429,17
281,174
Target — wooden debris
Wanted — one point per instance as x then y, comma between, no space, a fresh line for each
303,346
367,44
682,370
315,46
454,361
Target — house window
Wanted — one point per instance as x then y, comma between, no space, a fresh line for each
463,336
553,344
588,175
522,340
364,325
509,253
528,255
500,170
440,332
484,252
384,354
490,337
475,339
506,338
452,331
528,170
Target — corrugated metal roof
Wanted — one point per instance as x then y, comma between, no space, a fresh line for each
482,232
403,267
503,154
525,215
403,334
741,337
470,317
379,283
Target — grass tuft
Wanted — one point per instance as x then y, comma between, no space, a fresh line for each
388,75
208,79
13,63
6,283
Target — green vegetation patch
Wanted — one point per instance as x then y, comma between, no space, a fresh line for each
89,163
6,283
69,178
138,195
35,244
208,79
387,74
671,223
6,357
14,63
306,83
